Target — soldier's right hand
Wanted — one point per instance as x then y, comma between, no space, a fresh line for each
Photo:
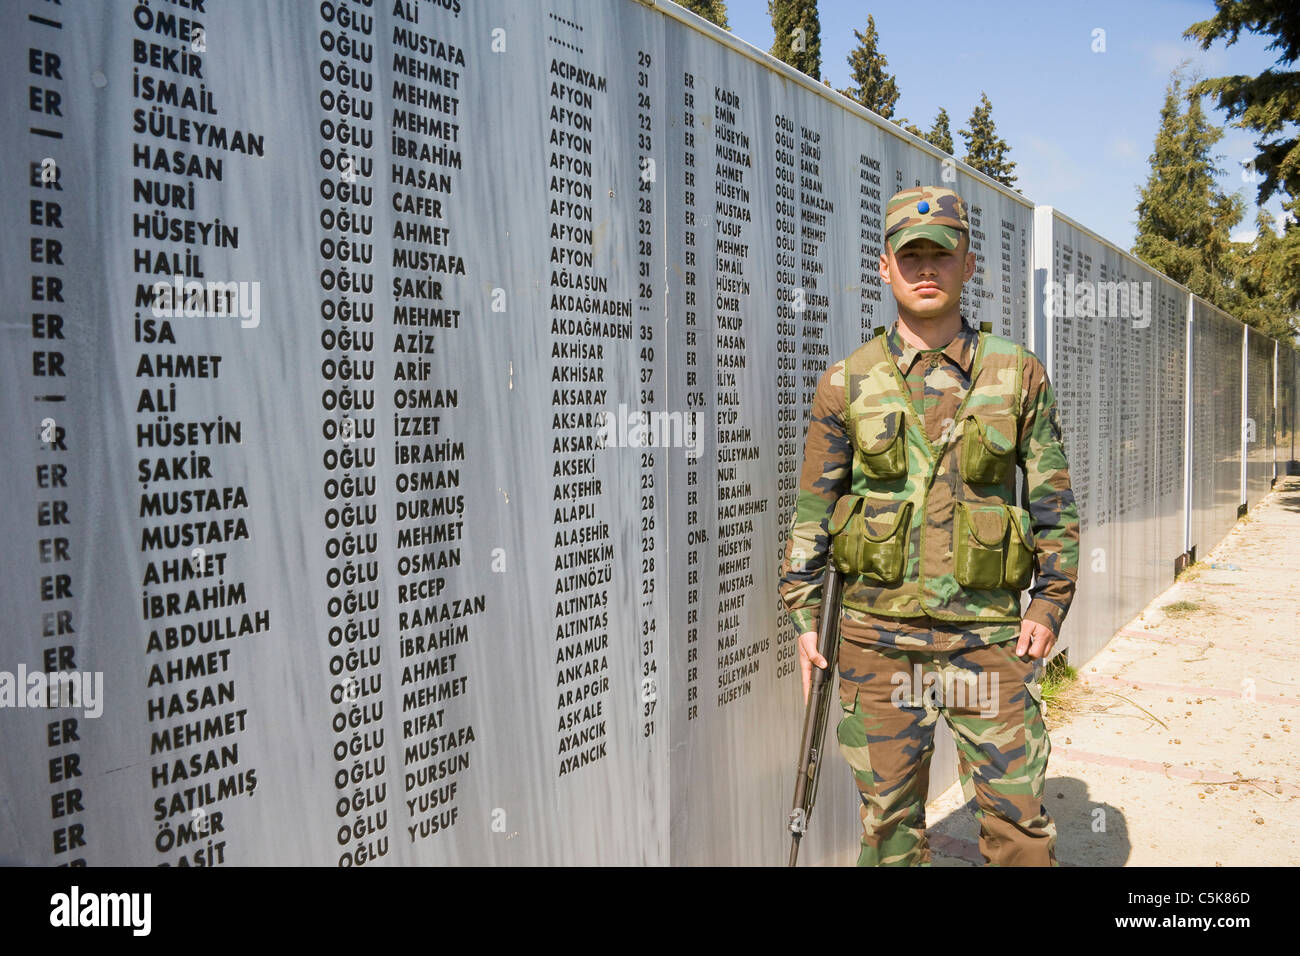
808,656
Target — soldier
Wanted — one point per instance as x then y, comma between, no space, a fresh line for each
909,475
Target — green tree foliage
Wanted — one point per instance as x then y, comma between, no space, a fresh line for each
796,25
1266,272
1268,279
875,89
1184,218
1269,103
940,134
715,11
985,149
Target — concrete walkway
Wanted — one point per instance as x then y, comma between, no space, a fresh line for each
1178,746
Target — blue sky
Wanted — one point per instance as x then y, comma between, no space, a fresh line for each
1081,125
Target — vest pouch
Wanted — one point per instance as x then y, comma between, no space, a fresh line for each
874,548
882,446
844,509
979,548
1020,549
987,449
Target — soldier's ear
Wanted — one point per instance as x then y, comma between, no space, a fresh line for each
884,268
970,266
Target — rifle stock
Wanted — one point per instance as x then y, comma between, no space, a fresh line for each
816,715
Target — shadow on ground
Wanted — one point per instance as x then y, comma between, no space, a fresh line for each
1288,492
1087,833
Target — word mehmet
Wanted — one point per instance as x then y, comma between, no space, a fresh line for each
191,299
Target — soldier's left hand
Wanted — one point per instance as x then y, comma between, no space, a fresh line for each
1035,638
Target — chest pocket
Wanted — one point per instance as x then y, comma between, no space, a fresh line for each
987,449
882,445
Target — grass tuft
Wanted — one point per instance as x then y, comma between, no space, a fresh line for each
1057,676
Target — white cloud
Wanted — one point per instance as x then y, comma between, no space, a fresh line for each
1052,164
1121,148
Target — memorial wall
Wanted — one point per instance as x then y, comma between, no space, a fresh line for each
1258,433
1285,449
1290,399
405,412
1216,410
773,274
1116,353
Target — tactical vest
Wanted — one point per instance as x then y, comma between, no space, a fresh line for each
934,529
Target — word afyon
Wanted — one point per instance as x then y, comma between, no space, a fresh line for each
649,430
191,299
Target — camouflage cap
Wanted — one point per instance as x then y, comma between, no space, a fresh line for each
925,212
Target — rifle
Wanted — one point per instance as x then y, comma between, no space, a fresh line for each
815,717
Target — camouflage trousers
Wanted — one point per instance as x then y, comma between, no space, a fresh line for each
891,700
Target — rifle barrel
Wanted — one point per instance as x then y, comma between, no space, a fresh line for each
816,713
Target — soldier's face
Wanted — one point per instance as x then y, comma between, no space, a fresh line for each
926,278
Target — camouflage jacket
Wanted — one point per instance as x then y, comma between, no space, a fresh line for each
938,381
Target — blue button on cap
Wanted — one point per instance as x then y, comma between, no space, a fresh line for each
923,207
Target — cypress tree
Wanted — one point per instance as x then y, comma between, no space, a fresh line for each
940,134
875,89
1184,218
1267,279
715,11
795,24
985,150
